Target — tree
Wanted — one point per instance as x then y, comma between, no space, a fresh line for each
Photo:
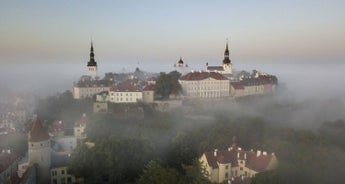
154,173
167,84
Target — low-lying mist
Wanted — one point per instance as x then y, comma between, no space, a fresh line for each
308,93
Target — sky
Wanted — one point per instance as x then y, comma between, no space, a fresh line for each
157,31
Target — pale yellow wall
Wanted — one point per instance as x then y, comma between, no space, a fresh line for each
100,107
207,88
125,97
86,92
148,96
60,175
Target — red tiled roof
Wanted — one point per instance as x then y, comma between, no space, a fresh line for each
148,88
37,133
57,126
83,121
254,162
237,85
255,81
126,87
6,159
203,75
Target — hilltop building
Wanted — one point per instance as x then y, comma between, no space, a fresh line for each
126,92
204,85
92,64
236,164
226,67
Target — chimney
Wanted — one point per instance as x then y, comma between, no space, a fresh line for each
238,155
215,152
258,153
245,156
229,148
9,151
239,148
264,153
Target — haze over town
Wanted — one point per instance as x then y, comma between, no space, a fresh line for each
282,64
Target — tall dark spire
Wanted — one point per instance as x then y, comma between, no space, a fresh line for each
226,59
92,61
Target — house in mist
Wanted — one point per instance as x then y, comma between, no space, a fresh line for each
249,86
8,166
236,164
204,85
226,67
80,128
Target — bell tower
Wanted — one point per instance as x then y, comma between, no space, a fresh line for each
227,66
92,64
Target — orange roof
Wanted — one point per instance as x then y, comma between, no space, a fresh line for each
192,76
37,133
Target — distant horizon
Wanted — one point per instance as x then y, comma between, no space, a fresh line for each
152,31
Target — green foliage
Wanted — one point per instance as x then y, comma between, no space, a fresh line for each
167,84
154,173
113,160
63,107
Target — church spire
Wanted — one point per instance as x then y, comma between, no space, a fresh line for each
226,54
92,61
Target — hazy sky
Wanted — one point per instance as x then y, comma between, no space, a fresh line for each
161,31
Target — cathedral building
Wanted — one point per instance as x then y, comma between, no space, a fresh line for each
226,67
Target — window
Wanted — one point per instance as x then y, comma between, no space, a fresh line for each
241,168
227,167
54,181
69,180
52,173
62,171
226,175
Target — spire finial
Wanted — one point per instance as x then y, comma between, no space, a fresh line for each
227,40
234,142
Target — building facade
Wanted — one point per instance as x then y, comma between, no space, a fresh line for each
204,85
88,91
125,93
234,163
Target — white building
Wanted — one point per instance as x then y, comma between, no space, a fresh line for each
88,91
204,85
125,93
